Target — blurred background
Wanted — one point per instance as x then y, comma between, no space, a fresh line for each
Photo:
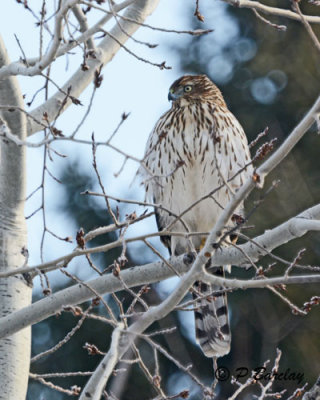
268,78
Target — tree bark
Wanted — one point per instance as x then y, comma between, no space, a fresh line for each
14,292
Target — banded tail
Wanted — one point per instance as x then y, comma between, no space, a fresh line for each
211,318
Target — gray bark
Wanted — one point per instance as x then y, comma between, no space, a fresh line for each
14,292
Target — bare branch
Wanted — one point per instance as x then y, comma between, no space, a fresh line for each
278,27
196,32
65,339
19,68
306,24
95,386
106,50
82,19
139,275
259,283
275,369
279,12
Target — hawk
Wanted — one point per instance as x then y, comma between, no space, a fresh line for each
196,158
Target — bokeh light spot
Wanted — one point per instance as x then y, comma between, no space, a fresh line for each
263,90
221,69
245,49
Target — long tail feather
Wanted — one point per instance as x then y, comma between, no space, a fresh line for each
211,318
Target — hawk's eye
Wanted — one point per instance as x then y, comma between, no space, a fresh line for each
188,88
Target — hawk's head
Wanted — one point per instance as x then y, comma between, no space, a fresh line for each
193,88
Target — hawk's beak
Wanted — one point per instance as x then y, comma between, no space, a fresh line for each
172,96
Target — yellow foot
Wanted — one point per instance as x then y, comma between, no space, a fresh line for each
203,242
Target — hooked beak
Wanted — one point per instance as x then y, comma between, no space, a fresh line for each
172,96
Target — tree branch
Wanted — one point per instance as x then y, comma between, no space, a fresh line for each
279,12
158,271
306,24
83,23
21,68
95,386
255,249
26,67
105,52
259,283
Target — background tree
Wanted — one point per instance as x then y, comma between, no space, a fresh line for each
243,57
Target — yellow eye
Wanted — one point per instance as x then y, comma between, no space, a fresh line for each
188,88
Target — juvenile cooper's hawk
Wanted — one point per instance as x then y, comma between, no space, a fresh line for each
195,147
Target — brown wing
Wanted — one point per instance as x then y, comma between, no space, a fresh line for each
166,240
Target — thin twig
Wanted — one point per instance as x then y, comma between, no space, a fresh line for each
306,24
65,339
